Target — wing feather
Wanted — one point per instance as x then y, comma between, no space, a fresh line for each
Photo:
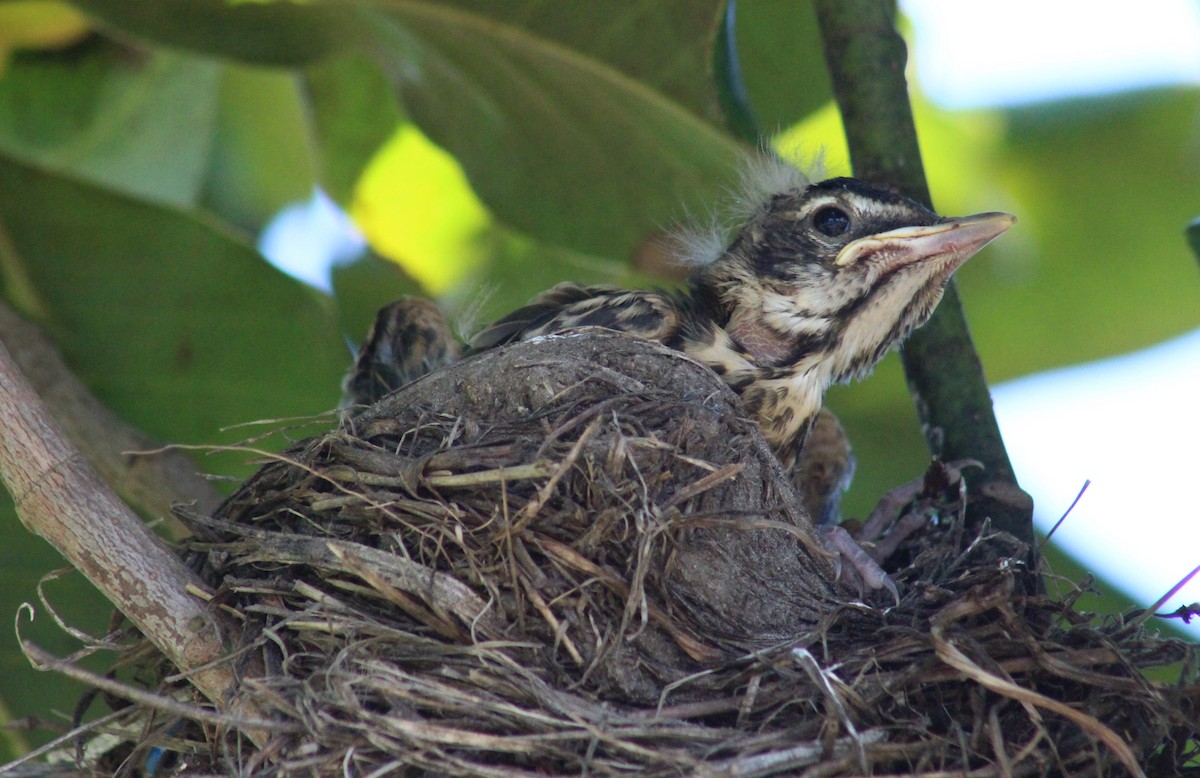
567,306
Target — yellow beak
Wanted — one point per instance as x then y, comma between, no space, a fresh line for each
951,242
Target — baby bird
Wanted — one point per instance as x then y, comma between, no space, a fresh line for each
818,283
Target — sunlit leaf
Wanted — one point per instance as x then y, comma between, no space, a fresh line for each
817,144
40,24
1095,266
415,206
557,145
354,111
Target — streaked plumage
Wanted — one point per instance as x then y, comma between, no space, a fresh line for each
408,339
819,282
814,289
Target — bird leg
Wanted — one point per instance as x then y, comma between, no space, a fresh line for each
862,568
909,507
822,473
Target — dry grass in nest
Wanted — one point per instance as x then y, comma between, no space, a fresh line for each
576,556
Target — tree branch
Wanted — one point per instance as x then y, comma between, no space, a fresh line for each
59,497
150,482
866,58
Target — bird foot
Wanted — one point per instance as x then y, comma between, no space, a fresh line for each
909,507
860,568
899,514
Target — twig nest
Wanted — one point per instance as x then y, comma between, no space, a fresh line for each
577,556
600,500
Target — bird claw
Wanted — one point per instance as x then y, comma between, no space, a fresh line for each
866,571
865,562
889,511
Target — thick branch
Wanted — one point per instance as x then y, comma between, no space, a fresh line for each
60,497
150,482
866,58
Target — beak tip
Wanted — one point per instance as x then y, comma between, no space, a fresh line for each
1001,219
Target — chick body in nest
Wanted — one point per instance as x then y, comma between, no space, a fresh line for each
816,285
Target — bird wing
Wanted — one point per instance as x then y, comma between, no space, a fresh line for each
567,306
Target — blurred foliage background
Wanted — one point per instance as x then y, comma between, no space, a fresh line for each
487,150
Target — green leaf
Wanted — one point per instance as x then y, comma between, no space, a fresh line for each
283,34
354,112
24,560
1193,236
138,122
362,288
730,81
781,61
563,146
179,326
559,146
520,267
262,154
664,45
1100,188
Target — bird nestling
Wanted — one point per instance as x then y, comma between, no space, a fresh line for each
813,288
818,284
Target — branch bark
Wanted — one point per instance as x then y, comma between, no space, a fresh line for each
866,58
149,482
62,499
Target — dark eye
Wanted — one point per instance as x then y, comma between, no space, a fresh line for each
831,221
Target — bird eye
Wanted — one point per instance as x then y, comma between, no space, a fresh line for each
831,221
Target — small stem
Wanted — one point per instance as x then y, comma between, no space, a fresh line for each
866,58
59,497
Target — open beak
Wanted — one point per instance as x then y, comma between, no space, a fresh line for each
950,242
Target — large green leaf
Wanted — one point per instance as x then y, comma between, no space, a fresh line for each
558,145
177,324
519,268
262,156
353,112
782,64
665,45
561,145
135,121
363,287
515,269
176,128
1095,267
284,34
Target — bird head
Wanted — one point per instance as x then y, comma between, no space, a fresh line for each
839,272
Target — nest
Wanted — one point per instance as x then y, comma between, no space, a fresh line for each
577,556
